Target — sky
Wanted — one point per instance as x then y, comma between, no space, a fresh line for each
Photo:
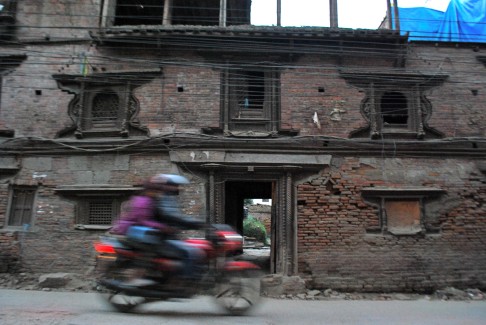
367,14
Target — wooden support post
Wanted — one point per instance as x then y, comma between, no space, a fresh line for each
389,14
167,18
397,19
333,11
223,6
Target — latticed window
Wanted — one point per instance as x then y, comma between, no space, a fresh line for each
98,211
105,111
104,103
21,206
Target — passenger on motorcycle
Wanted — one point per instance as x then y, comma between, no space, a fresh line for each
157,207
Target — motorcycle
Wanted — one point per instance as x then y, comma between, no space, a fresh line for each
234,283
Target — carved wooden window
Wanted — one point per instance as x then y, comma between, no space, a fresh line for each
21,207
250,100
395,105
396,113
104,113
176,12
104,104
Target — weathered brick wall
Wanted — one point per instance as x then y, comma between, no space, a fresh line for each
335,250
165,109
9,244
52,243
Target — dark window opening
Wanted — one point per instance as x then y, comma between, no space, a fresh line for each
141,12
394,109
192,12
21,207
181,12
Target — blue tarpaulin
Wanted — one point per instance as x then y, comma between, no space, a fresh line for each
462,21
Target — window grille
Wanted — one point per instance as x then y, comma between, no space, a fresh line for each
100,212
104,113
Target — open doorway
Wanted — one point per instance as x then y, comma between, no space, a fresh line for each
251,221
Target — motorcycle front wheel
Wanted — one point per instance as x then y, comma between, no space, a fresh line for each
239,291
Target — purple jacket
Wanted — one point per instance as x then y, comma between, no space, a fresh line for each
141,211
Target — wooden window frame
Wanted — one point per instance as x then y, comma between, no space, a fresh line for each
83,194
236,119
83,217
381,197
24,223
87,87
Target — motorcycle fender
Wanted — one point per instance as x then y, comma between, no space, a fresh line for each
240,265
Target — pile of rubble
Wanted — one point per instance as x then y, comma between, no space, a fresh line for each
273,286
47,282
294,287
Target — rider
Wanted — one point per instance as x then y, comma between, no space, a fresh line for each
157,207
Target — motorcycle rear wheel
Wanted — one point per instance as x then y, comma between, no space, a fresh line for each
239,291
118,299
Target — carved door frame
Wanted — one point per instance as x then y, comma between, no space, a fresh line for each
284,224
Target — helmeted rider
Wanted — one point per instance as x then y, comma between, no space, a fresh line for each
158,207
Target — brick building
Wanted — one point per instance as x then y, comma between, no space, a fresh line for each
372,148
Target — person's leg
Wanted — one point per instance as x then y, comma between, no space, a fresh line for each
191,256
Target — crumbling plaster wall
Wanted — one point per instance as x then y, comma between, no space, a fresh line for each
336,251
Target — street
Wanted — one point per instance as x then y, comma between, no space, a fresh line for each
74,308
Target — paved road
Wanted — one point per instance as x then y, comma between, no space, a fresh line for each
67,308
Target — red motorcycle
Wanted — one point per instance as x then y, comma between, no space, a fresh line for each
235,284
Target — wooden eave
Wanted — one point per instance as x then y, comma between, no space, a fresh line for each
402,191
96,190
250,39
397,78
